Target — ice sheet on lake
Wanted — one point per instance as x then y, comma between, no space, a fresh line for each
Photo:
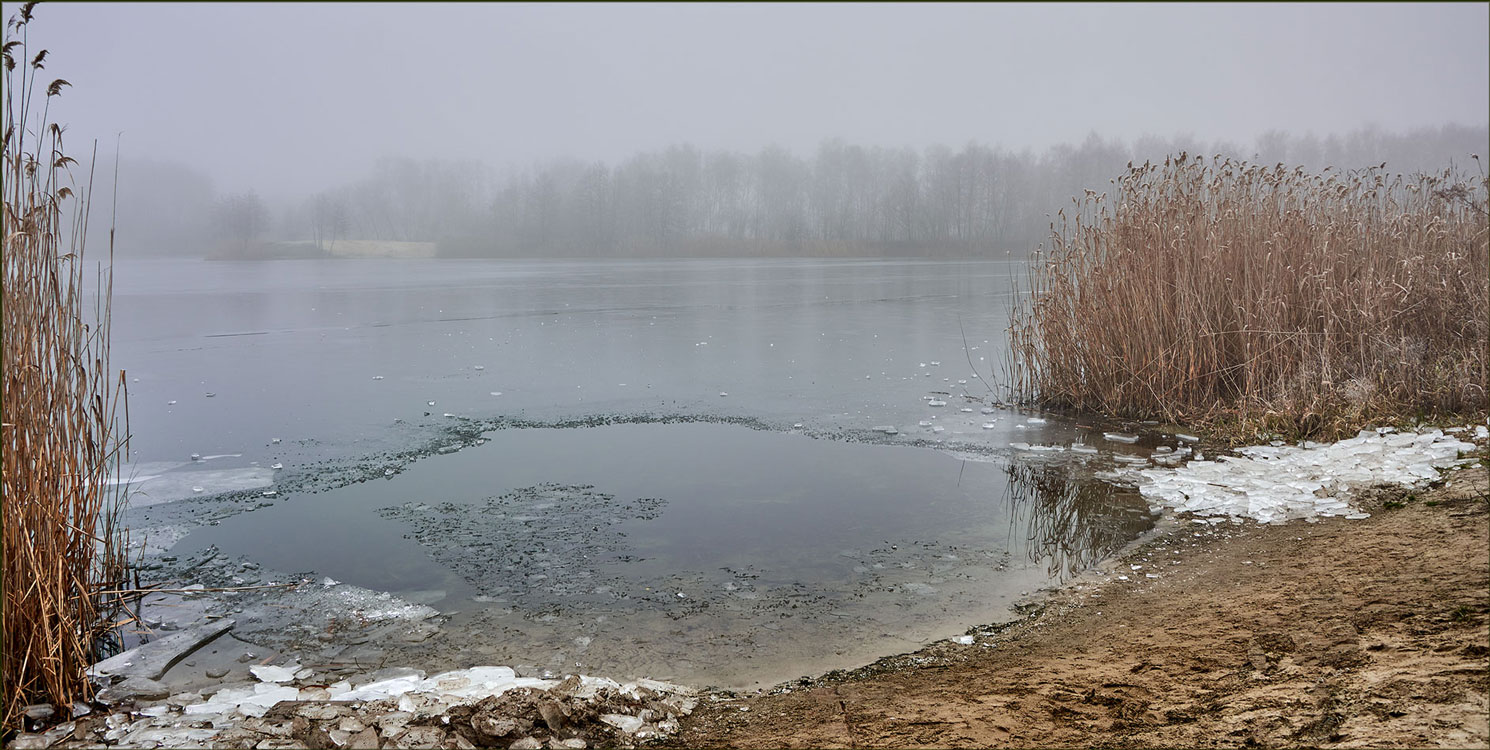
1277,483
170,485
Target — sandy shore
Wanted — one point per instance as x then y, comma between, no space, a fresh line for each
1371,633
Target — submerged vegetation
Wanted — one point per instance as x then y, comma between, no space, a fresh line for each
1251,299
65,557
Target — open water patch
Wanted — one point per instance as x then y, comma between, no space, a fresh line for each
697,551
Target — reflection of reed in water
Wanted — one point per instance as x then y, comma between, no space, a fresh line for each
1072,521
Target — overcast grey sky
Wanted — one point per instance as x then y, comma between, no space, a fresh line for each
288,99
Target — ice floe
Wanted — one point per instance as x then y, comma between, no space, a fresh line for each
1278,483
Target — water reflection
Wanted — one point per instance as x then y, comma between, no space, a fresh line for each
1071,519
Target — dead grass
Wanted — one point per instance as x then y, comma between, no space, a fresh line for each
63,432
1250,300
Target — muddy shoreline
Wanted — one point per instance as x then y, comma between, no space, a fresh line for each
1351,632
1337,633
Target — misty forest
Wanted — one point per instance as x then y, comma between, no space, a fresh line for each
844,200
567,376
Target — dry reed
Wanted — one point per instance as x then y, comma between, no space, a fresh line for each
64,551
1254,300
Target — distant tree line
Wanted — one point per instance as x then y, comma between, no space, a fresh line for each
854,200
843,199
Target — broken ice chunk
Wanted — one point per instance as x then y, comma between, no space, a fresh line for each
1035,420
277,466
965,640
270,673
1118,437
987,410
722,394
377,377
936,402
988,425
623,722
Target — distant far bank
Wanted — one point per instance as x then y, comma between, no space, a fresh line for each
468,250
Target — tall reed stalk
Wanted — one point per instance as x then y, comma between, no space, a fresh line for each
1253,299
63,431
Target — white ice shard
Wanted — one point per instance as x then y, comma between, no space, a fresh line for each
1036,420
1118,437
271,673
1277,483
936,402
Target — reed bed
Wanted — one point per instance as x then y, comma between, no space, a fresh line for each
1253,300
65,414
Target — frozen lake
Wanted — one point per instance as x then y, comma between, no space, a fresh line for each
676,469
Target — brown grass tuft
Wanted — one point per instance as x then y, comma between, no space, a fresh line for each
1249,299
62,437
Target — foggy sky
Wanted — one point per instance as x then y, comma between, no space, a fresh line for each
289,99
